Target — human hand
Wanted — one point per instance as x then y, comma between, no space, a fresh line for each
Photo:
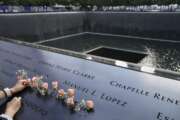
19,86
13,107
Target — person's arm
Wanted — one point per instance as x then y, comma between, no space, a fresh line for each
12,108
8,92
2,95
3,99
14,105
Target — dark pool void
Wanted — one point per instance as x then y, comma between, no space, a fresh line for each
129,56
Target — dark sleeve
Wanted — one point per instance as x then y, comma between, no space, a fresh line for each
1,118
2,102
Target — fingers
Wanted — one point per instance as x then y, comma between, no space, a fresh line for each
25,82
16,99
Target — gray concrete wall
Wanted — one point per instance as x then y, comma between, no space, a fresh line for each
34,27
152,25
40,26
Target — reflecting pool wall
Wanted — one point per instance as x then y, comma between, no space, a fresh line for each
39,26
147,24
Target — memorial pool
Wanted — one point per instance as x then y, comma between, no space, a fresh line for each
161,54
64,47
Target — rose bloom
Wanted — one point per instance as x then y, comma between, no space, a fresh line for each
61,93
71,92
34,78
18,77
90,104
55,85
45,85
34,82
70,101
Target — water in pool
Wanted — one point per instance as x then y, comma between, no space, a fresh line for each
164,55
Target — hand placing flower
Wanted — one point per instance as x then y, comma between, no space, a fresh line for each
19,86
